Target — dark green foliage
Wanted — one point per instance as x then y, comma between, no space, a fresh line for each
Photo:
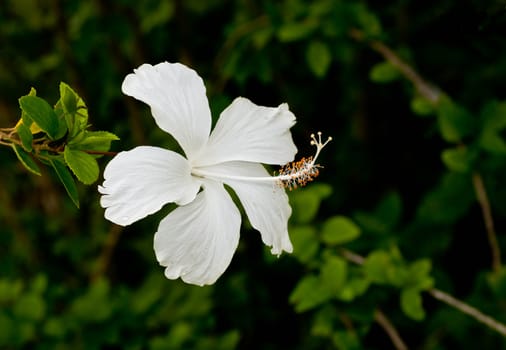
393,214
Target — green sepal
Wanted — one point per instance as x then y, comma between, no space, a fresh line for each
66,179
83,165
37,110
25,159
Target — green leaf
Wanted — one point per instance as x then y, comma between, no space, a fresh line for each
457,159
83,165
376,265
74,109
41,113
306,202
309,293
66,179
296,30
419,275
496,280
25,159
94,141
371,222
39,284
366,19
10,290
422,106
305,243
318,57
389,210
353,288
312,290
95,305
493,119
454,121
30,307
411,304
334,273
449,201
8,328
339,230
25,135
384,267
384,72
62,123
54,327
323,322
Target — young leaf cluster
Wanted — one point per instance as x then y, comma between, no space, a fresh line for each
58,136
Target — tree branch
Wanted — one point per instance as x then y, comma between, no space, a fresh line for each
390,329
104,259
442,296
468,310
481,196
433,94
427,90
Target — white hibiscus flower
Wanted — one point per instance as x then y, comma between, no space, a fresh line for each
196,241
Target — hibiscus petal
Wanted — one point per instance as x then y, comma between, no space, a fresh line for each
266,204
197,241
140,181
248,132
177,97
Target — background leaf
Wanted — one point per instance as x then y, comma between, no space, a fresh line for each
339,230
318,57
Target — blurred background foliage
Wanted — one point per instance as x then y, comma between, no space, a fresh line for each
401,207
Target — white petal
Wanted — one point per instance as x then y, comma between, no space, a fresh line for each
177,97
140,181
265,203
197,241
248,132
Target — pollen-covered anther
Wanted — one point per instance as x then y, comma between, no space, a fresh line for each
299,173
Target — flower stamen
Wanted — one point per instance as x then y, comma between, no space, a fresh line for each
299,173
291,175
